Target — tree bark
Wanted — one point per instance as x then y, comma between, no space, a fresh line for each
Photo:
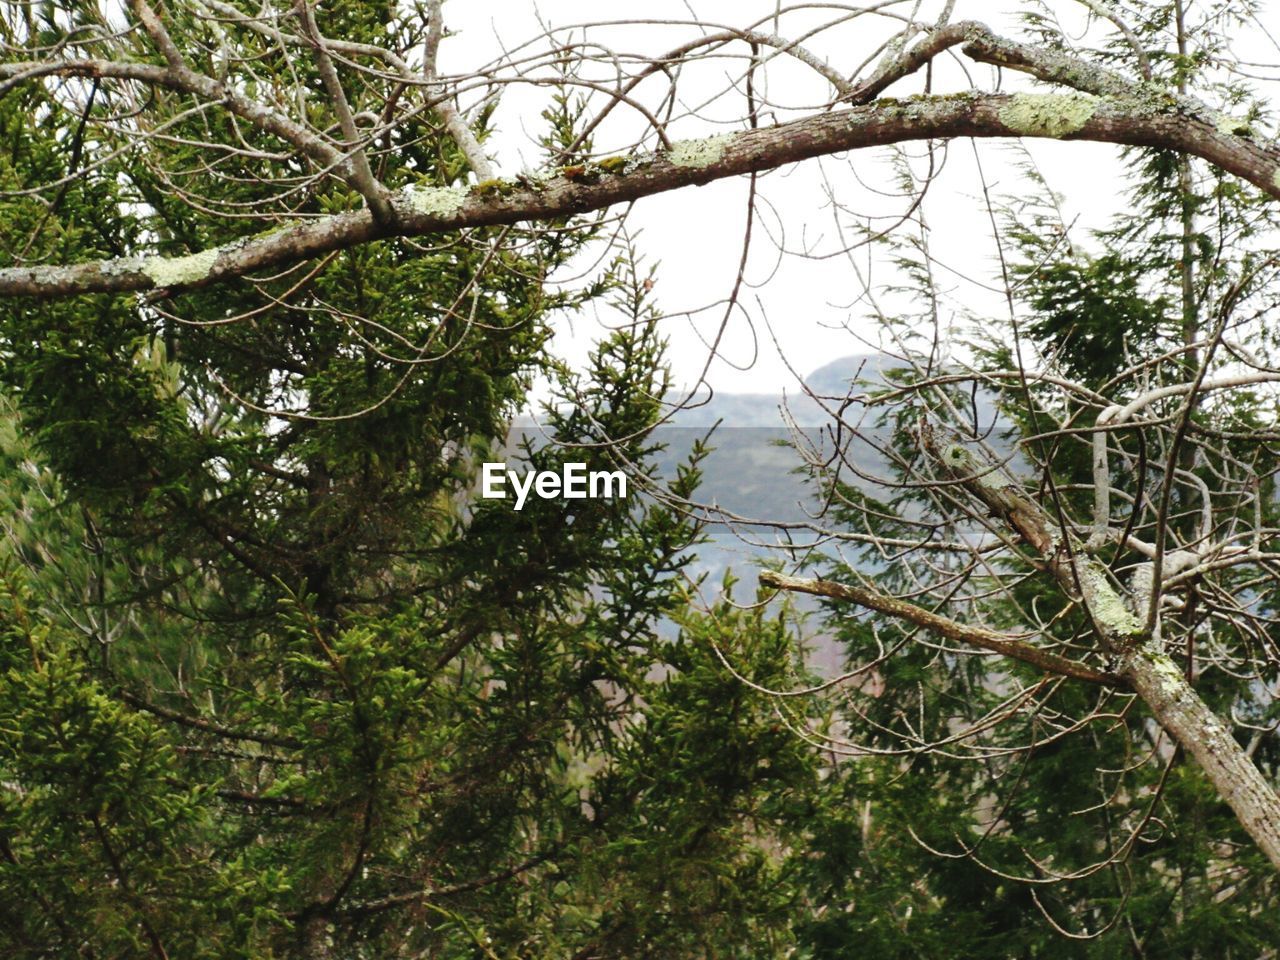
315,938
1184,716
1135,121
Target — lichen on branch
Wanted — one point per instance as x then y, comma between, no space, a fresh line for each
1047,114
179,271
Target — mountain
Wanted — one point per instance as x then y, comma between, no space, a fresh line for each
830,383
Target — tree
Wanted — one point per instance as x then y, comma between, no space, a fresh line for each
271,682
1111,832
271,448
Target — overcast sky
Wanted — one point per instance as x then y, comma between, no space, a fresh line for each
695,235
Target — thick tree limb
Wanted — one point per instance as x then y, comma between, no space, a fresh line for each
575,190
943,626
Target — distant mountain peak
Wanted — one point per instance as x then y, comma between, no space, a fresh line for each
835,378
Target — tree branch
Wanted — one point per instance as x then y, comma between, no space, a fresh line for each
374,193
453,120
912,60
1157,680
943,626
158,34
1101,10
208,726
185,80
576,190
394,900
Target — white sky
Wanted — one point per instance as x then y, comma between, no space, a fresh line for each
696,234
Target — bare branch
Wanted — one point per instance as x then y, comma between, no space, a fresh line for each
1100,8
1155,677
943,626
374,193
454,122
